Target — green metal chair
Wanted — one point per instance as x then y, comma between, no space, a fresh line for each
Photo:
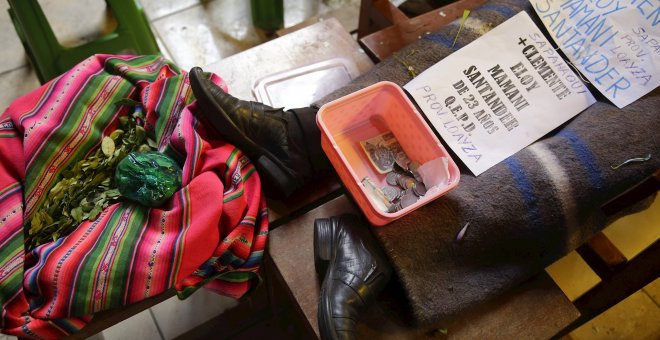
51,59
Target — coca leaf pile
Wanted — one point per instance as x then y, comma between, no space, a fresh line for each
87,187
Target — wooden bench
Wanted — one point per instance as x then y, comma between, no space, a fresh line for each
384,29
537,309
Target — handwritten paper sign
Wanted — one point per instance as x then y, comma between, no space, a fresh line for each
499,94
614,43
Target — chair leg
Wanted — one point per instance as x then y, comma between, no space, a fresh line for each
50,59
376,15
132,21
36,36
132,35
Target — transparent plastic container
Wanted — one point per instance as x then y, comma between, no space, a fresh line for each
370,112
301,86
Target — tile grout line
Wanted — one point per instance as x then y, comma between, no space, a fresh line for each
14,69
167,54
176,12
152,24
651,297
160,331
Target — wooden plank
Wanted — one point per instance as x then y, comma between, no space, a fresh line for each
535,309
602,256
311,195
384,43
377,14
637,273
291,247
389,11
633,195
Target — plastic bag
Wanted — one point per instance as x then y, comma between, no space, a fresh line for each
148,178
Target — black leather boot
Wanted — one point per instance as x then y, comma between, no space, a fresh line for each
283,145
354,270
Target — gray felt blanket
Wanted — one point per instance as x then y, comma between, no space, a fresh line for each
524,213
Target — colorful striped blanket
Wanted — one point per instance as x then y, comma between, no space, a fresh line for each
212,232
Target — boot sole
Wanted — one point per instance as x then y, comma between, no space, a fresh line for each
326,329
324,313
277,177
322,255
323,234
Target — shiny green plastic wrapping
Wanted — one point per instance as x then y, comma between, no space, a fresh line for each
148,178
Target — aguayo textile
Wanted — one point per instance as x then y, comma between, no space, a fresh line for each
525,212
212,232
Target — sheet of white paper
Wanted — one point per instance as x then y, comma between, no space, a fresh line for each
499,93
614,43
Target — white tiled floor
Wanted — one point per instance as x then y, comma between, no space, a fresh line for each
170,318
156,9
198,32
15,83
175,317
635,232
140,326
12,55
189,32
637,317
88,27
573,275
201,35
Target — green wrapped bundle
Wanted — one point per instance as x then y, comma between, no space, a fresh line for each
148,178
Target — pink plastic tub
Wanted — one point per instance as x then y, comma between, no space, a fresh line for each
370,112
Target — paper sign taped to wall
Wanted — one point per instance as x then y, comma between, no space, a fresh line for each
614,43
499,93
